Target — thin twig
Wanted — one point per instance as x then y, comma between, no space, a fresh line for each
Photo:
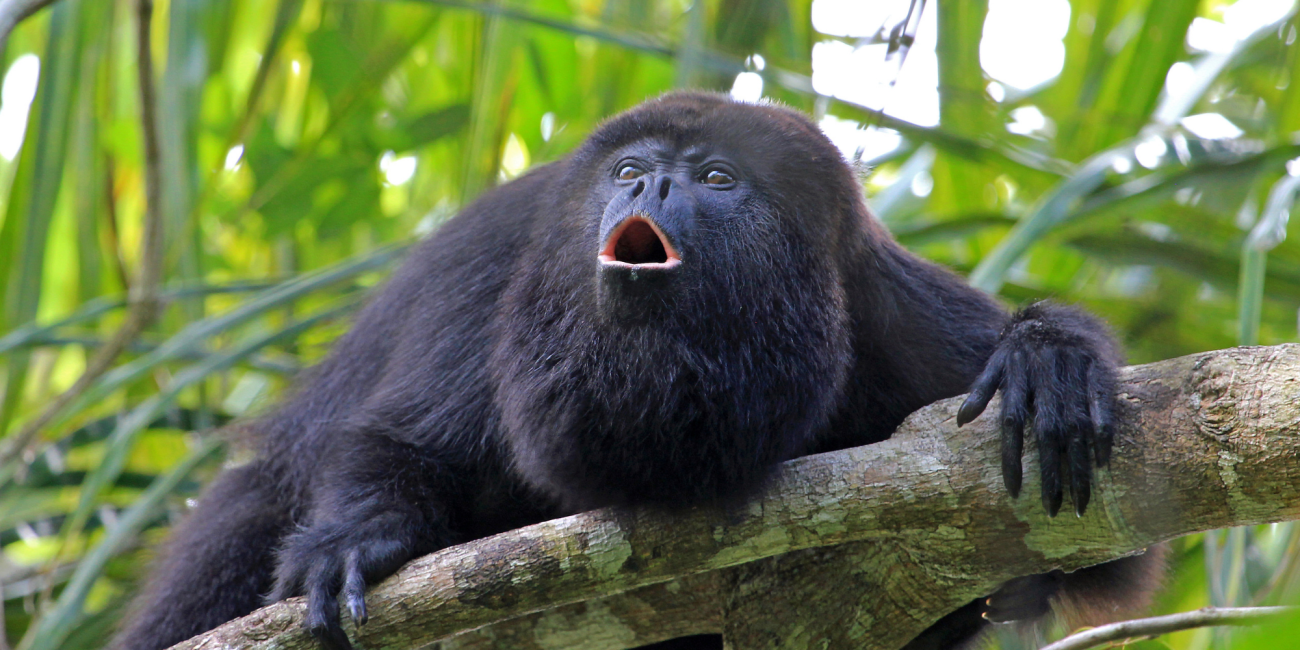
1157,625
151,262
13,12
143,298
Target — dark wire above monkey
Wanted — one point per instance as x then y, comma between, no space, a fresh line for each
695,294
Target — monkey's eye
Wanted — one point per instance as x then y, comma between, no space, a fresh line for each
718,177
628,172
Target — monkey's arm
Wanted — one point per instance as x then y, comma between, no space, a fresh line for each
1055,367
377,503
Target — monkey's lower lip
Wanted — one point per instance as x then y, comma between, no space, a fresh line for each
639,243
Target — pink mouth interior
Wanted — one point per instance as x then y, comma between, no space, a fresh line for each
637,242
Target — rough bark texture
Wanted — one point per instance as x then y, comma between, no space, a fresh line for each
859,548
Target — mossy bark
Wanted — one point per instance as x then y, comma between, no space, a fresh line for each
859,548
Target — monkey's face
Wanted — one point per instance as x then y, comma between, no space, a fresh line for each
698,205
669,212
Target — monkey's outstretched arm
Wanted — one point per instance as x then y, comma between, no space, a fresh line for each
377,504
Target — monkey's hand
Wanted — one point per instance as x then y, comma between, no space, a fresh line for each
341,557
1056,368
374,508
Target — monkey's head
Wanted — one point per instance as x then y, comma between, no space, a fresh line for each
680,312
695,188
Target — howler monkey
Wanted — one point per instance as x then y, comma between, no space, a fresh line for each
697,293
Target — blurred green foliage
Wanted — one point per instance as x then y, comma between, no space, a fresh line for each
304,142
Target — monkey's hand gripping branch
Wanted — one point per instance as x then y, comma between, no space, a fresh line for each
1056,368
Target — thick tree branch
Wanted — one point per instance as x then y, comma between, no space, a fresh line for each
885,538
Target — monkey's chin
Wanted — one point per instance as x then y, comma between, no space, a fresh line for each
636,293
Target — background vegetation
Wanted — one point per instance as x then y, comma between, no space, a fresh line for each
302,143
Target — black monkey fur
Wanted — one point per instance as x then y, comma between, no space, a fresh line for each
694,295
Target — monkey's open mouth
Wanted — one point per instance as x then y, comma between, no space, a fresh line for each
639,242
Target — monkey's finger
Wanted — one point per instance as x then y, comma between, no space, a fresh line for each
1049,424
1049,456
323,620
368,561
332,635
981,391
1015,412
1101,394
354,588
1074,367
1080,471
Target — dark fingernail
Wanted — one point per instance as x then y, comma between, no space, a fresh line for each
357,607
1011,478
964,414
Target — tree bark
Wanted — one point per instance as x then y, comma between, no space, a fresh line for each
859,548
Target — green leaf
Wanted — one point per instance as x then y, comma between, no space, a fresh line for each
36,187
413,133
1129,96
27,334
194,334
